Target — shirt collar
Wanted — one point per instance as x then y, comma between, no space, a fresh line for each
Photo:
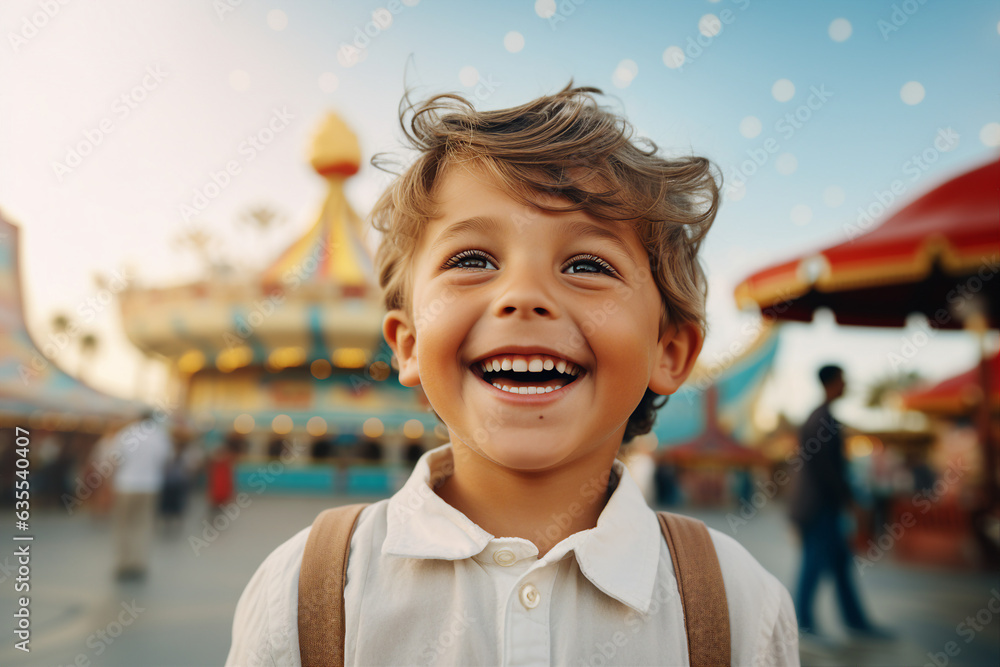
619,556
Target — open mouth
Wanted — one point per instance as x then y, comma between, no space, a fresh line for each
527,374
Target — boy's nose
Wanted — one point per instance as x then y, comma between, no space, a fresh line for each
525,295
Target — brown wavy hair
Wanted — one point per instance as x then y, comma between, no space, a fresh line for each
568,145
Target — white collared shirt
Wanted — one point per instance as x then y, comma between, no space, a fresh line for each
427,586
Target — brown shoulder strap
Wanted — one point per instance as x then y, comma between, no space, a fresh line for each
702,591
321,587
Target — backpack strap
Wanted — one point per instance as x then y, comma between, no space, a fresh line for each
702,591
321,587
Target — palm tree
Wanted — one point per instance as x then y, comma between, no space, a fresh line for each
62,326
262,218
88,348
882,392
197,239
59,323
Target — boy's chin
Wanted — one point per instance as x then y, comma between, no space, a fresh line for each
521,454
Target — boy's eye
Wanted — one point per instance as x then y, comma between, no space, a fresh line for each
580,264
470,259
589,264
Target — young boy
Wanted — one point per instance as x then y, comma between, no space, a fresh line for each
543,288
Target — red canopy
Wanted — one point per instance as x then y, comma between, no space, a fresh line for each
958,395
933,252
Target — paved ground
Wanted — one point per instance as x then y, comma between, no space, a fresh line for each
183,613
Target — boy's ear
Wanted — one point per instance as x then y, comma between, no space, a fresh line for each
399,333
675,356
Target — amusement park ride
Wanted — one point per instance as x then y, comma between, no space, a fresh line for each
296,353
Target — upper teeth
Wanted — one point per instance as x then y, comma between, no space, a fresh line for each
534,363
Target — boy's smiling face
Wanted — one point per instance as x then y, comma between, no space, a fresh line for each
497,287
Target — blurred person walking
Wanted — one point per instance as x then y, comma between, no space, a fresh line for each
96,477
141,450
222,471
818,500
52,466
178,476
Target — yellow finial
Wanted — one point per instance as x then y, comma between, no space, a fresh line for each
335,149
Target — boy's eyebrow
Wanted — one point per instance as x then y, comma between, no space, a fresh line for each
583,228
487,224
478,223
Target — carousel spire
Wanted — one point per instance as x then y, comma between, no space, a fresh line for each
332,251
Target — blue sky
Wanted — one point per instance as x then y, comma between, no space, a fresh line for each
223,73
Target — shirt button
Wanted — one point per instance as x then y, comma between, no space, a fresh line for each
504,557
530,597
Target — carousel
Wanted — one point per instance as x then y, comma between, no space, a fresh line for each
709,446
292,362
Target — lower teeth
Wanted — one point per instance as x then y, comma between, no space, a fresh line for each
527,390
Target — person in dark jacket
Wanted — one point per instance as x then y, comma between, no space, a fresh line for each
820,497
